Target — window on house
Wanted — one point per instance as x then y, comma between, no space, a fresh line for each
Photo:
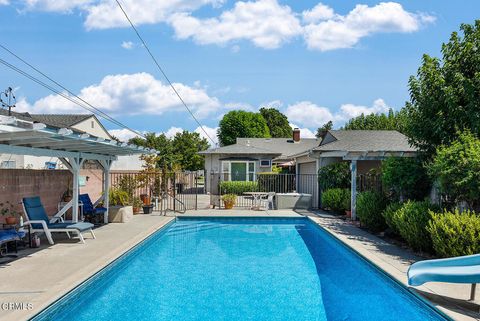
238,171
8,164
93,124
265,163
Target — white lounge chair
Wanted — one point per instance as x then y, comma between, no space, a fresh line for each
38,220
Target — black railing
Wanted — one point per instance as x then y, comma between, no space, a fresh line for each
279,183
166,191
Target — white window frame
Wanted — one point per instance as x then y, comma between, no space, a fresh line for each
266,160
248,172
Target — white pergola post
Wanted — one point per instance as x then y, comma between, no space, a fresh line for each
353,199
74,164
106,164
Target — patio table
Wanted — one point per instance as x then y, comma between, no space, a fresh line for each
256,198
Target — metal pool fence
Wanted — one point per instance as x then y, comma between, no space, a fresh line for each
170,191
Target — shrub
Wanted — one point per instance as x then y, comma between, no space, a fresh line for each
388,214
454,233
238,188
334,199
411,221
336,175
405,177
457,168
370,206
118,197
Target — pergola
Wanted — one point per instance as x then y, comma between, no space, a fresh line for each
73,148
354,157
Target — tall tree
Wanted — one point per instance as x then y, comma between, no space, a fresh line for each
390,121
277,122
321,131
186,146
240,123
445,93
166,158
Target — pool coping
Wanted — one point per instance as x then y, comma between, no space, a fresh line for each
118,260
91,278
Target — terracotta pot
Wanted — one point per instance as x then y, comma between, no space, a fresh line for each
136,210
11,220
67,198
228,205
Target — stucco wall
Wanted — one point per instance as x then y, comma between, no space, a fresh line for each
93,127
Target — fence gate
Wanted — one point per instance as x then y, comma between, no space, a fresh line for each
176,192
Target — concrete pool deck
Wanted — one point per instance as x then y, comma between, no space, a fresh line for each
41,276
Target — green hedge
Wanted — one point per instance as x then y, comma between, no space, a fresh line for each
238,188
388,214
411,221
454,233
335,199
370,206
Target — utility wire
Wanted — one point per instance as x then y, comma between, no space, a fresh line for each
163,72
91,108
83,105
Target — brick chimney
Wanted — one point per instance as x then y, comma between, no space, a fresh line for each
296,134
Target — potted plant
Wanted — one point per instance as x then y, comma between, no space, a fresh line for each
8,211
145,199
120,209
137,205
229,200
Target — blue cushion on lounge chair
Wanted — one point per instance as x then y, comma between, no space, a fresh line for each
82,226
88,208
8,235
35,210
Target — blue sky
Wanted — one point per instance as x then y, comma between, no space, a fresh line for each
315,61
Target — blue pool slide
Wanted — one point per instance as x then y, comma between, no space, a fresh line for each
462,269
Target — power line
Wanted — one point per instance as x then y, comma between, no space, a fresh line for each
163,72
41,83
95,110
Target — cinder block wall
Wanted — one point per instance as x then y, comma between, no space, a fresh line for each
48,184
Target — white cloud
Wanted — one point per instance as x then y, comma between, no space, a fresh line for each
304,132
106,14
212,134
123,134
4,2
311,115
131,94
127,45
172,131
328,31
308,114
266,23
350,110
62,6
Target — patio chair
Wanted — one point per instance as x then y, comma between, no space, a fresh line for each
462,269
89,210
38,220
7,236
266,202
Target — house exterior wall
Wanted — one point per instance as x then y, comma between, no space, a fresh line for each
93,127
213,165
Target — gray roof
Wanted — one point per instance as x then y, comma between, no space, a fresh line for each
60,120
365,141
282,148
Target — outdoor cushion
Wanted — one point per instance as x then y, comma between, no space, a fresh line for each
8,235
82,226
35,210
88,208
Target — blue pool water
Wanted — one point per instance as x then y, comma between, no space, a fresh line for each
240,269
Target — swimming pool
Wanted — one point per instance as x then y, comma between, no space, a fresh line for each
240,269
